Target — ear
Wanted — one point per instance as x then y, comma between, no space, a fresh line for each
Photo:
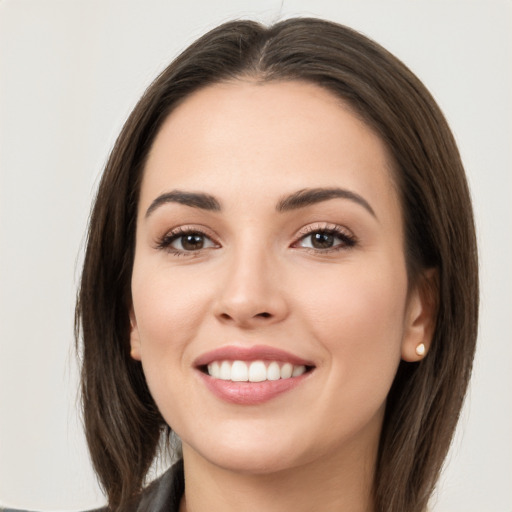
420,318
134,337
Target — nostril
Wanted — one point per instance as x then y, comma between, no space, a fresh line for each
244,317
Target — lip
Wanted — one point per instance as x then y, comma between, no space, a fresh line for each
250,393
254,353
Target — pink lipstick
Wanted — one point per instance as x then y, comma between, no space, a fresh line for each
251,375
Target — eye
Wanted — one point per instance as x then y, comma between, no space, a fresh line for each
326,239
191,242
182,241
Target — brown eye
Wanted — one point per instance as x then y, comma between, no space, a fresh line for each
326,239
189,242
322,240
192,242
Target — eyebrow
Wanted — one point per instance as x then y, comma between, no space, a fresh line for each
193,199
300,199
310,196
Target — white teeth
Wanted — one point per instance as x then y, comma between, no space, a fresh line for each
239,372
256,371
214,368
225,371
298,370
273,371
286,371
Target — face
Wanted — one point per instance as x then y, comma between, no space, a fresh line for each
271,305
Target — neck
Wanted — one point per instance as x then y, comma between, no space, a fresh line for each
340,482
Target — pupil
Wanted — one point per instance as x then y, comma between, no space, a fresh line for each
322,240
192,242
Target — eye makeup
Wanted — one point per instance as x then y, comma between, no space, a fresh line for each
319,238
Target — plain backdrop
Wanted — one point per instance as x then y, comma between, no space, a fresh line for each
70,72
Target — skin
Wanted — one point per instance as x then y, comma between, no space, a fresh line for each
257,281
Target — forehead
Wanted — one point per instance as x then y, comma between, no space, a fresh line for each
272,138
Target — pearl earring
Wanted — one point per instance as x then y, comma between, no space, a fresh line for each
420,349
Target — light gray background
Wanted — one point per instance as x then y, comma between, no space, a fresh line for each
70,72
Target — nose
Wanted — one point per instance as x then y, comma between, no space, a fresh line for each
252,293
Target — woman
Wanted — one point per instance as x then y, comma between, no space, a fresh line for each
281,268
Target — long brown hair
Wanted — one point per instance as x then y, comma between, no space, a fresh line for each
123,425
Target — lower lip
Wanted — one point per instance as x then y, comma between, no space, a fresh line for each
250,393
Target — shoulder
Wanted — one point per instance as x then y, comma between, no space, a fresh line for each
162,495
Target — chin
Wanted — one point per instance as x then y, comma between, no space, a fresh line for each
255,462
255,455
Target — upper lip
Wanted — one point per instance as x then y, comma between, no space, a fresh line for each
253,353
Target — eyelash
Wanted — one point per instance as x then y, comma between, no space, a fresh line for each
347,239
165,243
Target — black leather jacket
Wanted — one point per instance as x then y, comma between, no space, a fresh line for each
162,495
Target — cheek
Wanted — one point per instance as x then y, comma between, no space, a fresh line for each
167,311
359,320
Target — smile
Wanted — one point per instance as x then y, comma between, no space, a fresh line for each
254,371
251,375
